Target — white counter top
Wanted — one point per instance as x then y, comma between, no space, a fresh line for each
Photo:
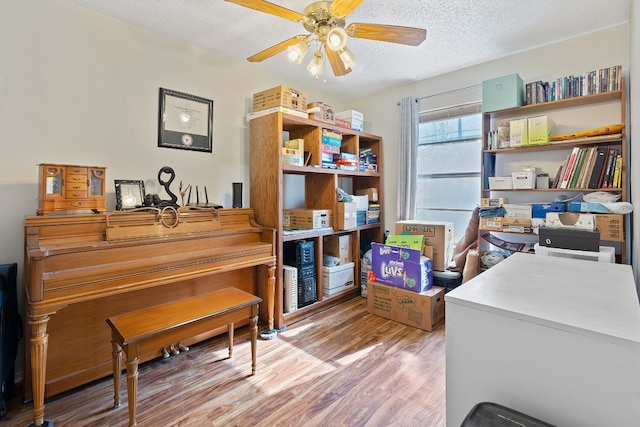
588,297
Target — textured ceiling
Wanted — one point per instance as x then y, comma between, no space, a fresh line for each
460,33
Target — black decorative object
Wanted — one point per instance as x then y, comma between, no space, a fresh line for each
166,184
237,195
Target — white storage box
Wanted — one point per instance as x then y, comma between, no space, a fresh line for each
356,118
500,183
524,180
337,279
606,253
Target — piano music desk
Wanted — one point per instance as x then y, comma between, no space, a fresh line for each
166,324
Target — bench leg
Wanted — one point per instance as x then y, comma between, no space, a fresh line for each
253,325
230,336
132,382
117,370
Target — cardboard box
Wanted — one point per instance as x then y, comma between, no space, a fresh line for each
611,227
569,238
307,218
514,210
515,221
362,202
364,279
354,117
491,223
371,192
437,234
280,96
293,152
400,267
540,210
519,133
337,279
324,113
502,92
493,202
539,130
422,310
339,247
412,241
346,216
571,220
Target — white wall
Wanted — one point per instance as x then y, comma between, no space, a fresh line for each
590,52
634,131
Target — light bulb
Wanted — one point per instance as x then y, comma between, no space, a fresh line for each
336,39
348,58
297,52
315,66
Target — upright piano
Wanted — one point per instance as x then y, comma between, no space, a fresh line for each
82,269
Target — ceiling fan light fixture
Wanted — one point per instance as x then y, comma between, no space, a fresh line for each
315,67
336,39
348,58
297,52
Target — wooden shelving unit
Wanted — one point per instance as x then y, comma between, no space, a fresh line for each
584,112
267,198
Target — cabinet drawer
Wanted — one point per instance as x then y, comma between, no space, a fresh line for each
76,194
76,179
77,171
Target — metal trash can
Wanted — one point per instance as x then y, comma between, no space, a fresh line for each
488,414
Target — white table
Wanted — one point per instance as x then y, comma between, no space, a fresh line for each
555,338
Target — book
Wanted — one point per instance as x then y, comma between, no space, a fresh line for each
577,169
598,167
588,168
570,165
617,172
606,177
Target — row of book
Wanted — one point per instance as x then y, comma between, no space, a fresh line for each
591,167
602,80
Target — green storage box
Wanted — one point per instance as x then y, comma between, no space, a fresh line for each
502,93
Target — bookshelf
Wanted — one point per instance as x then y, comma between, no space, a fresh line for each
313,186
568,116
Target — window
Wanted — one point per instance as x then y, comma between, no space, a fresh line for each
448,172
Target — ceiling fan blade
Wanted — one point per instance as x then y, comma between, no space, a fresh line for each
336,63
388,33
273,9
275,49
344,7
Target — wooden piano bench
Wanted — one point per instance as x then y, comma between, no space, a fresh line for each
137,331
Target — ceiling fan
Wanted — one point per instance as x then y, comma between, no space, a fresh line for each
325,22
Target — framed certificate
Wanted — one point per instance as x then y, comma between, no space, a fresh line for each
185,121
129,194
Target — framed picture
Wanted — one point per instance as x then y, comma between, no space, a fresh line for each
185,121
129,194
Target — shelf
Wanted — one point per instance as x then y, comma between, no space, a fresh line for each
306,170
553,190
555,146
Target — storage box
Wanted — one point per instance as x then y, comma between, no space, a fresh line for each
438,235
411,241
491,223
364,279
346,216
356,119
307,218
523,180
569,238
361,218
539,130
515,221
588,207
339,247
611,227
493,202
293,152
337,279
500,183
540,210
371,192
571,220
519,133
322,112
514,210
421,310
502,92
280,96
400,267
362,202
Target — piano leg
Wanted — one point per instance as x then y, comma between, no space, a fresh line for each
270,296
38,344
117,370
132,381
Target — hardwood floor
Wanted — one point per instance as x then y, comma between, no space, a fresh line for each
340,367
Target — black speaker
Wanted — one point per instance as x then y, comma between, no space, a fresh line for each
237,194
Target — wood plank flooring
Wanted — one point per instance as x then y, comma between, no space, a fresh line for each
340,367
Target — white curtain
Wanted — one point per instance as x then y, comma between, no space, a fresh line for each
407,158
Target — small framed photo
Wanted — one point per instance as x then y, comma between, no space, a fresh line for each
185,121
129,194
